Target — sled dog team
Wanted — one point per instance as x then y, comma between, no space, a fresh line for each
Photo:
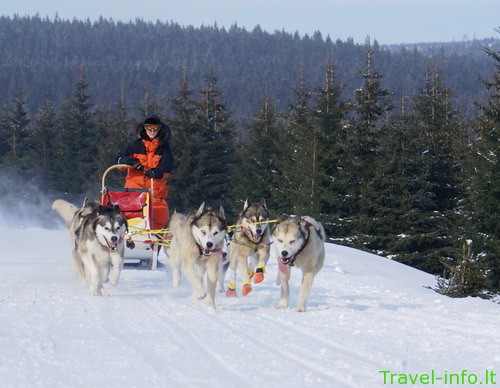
199,246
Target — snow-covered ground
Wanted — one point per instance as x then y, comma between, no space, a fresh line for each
366,314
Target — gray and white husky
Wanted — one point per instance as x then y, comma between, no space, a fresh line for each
196,249
299,242
249,247
97,241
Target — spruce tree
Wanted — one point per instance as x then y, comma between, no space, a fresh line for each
301,155
43,134
402,189
485,174
75,164
204,148
371,105
259,159
184,183
4,138
436,221
217,150
330,114
17,132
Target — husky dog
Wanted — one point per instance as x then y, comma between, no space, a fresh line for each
97,241
299,242
224,262
250,241
196,247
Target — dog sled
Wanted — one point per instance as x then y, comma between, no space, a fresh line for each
142,243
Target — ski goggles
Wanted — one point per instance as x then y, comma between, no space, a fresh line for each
152,127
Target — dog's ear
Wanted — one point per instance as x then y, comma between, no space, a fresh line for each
222,214
100,209
297,219
201,209
263,202
281,218
88,208
245,206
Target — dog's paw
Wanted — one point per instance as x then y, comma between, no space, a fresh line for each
230,293
199,295
300,309
259,276
113,280
104,292
210,305
282,305
247,288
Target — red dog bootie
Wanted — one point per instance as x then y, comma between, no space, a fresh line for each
259,275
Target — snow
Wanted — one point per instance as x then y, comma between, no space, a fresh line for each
366,314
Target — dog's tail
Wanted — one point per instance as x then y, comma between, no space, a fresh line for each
65,210
317,226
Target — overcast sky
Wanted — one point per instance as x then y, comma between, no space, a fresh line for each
387,21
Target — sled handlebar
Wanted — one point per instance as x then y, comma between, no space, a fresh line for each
114,167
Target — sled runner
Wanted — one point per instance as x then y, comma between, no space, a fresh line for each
142,242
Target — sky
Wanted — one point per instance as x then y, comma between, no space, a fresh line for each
387,21
366,315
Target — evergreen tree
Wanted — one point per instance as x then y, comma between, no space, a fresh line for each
465,276
42,139
203,146
330,114
76,143
485,175
17,131
107,148
372,103
114,130
436,224
301,155
185,189
217,151
402,189
260,154
4,138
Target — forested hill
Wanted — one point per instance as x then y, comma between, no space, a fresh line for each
332,140
143,63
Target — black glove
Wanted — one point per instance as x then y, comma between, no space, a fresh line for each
153,174
134,162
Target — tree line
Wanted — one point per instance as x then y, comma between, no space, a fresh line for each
410,181
138,58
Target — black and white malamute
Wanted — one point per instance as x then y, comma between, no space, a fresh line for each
97,241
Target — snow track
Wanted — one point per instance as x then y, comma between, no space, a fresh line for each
365,314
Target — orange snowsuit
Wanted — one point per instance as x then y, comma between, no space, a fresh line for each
152,154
